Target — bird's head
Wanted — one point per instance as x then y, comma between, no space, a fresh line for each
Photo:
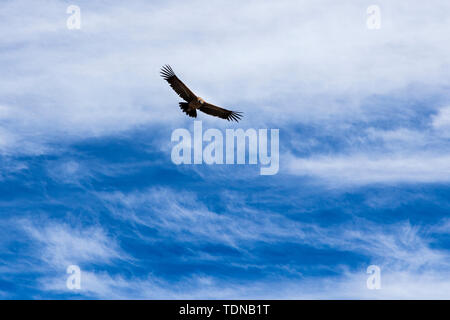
200,100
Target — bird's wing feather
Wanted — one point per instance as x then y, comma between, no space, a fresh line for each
220,112
177,85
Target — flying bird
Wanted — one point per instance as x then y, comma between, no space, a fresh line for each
194,102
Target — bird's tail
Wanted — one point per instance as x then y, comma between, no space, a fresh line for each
190,112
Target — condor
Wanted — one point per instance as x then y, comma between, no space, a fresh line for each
193,102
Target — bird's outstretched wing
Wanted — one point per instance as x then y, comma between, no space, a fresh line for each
177,85
220,112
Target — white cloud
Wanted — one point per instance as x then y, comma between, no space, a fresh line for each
313,61
441,122
442,119
400,139
62,245
349,285
182,216
394,285
360,169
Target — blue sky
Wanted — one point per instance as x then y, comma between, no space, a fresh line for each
86,176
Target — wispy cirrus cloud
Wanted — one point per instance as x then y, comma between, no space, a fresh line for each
410,264
62,245
412,154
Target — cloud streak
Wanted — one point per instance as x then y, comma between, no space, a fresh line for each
362,169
